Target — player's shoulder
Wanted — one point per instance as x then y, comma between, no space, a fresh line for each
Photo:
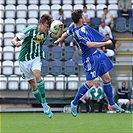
71,26
29,28
70,29
83,28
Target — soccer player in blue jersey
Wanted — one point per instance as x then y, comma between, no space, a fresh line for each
31,40
95,62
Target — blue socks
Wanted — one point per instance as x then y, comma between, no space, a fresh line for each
108,91
84,88
81,91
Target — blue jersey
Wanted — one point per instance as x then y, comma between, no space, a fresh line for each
82,35
95,63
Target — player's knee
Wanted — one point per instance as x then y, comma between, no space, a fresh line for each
32,84
37,76
90,83
107,79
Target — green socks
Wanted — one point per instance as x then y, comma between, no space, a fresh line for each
37,95
41,89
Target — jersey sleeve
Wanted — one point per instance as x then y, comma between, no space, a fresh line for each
70,29
24,33
97,37
89,34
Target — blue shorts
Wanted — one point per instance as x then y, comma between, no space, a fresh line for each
97,65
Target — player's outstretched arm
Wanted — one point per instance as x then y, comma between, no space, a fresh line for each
15,42
98,44
60,32
63,37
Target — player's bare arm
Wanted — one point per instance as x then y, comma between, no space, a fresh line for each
15,42
98,44
59,33
63,37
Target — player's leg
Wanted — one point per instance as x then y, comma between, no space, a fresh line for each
38,96
108,91
27,73
41,90
35,92
40,85
36,69
81,91
107,87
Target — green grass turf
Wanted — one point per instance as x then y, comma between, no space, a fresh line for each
65,123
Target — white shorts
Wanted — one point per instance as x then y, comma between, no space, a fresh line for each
27,67
123,101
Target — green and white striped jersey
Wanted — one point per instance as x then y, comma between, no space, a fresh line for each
96,93
32,42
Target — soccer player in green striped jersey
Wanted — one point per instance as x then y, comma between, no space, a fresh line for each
31,40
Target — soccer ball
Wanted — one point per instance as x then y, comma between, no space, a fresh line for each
54,27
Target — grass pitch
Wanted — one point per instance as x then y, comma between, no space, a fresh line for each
65,123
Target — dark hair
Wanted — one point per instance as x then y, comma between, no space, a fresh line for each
84,6
45,18
76,15
105,8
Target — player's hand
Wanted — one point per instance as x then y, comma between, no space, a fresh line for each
56,43
18,44
61,25
109,42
